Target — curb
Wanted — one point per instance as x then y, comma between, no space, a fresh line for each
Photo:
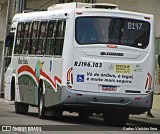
4,100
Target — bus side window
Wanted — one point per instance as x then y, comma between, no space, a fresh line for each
19,39
50,40
60,32
27,31
34,38
9,47
42,37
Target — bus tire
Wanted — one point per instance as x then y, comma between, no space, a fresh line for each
118,119
13,89
84,115
21,108
41,108
57,113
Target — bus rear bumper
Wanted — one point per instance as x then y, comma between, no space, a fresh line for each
97,101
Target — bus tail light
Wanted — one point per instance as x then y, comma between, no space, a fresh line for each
69,74
70,78
111,46
148,83
150,80
79,13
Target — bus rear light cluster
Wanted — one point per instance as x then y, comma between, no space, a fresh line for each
148,83
70,78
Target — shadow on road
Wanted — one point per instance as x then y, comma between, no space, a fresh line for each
94,121
72,119
142,123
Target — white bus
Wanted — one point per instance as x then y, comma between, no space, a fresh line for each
87,58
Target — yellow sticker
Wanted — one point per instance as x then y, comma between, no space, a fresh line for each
123,69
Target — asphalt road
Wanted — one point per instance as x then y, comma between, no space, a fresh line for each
70,123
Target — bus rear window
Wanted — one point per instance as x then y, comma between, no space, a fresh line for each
119,31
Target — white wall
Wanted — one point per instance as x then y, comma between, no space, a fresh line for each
34,4
2,21
3,13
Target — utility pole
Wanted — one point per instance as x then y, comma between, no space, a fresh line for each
9,16
89,1
20,6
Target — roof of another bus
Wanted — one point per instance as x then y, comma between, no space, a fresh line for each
115,13
60,13
95,7
75,5
40,15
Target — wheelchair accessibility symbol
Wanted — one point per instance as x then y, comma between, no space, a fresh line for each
80,78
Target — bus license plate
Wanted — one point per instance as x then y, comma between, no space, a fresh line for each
109,88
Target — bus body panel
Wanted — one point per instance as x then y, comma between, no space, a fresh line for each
28,83
103,102
111,80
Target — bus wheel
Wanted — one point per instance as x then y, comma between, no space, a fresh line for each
21,108
13,89
41,108
118,119
57,113
84,115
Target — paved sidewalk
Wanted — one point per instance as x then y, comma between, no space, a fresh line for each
144,118
5,101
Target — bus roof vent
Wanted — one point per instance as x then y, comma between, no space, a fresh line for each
28,11
31,10
72,5
75,5
104,6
